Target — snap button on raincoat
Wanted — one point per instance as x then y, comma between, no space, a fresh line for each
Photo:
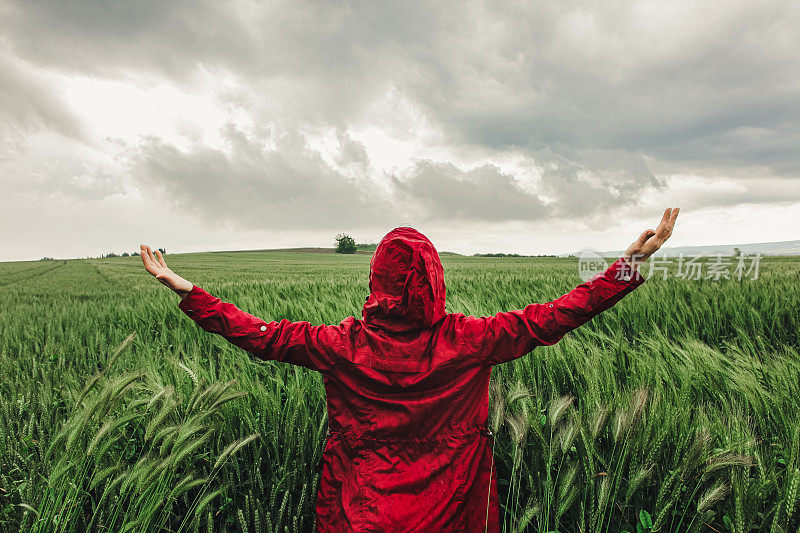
407,387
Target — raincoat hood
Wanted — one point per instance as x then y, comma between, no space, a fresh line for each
406,283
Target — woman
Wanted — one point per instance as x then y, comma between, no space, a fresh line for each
407,385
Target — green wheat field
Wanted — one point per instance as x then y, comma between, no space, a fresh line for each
677,410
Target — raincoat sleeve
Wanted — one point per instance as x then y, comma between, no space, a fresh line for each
512,334
298,343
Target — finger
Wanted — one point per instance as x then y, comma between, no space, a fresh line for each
664,220
145,258
663,226
673,218
646,234
161,259
152,266
152,257
670,223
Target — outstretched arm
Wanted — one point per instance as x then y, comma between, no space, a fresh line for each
298,343
512,334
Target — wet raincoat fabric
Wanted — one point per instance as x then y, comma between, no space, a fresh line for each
408,447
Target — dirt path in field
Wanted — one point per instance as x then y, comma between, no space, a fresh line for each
34,272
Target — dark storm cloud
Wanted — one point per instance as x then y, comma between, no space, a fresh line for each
110,39
534,74
589,182
291,184
602,100
681,84
319,62
28,106
442,191
702,85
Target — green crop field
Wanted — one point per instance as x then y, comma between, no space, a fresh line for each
677,410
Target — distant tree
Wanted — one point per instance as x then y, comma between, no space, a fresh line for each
125,254
345,244
109,254
737,252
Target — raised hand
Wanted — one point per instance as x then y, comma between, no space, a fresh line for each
651,240
156,265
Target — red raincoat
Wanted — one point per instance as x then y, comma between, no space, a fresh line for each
407,387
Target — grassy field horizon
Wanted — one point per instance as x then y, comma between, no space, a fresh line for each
677,410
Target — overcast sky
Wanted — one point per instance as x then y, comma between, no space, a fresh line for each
529,127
